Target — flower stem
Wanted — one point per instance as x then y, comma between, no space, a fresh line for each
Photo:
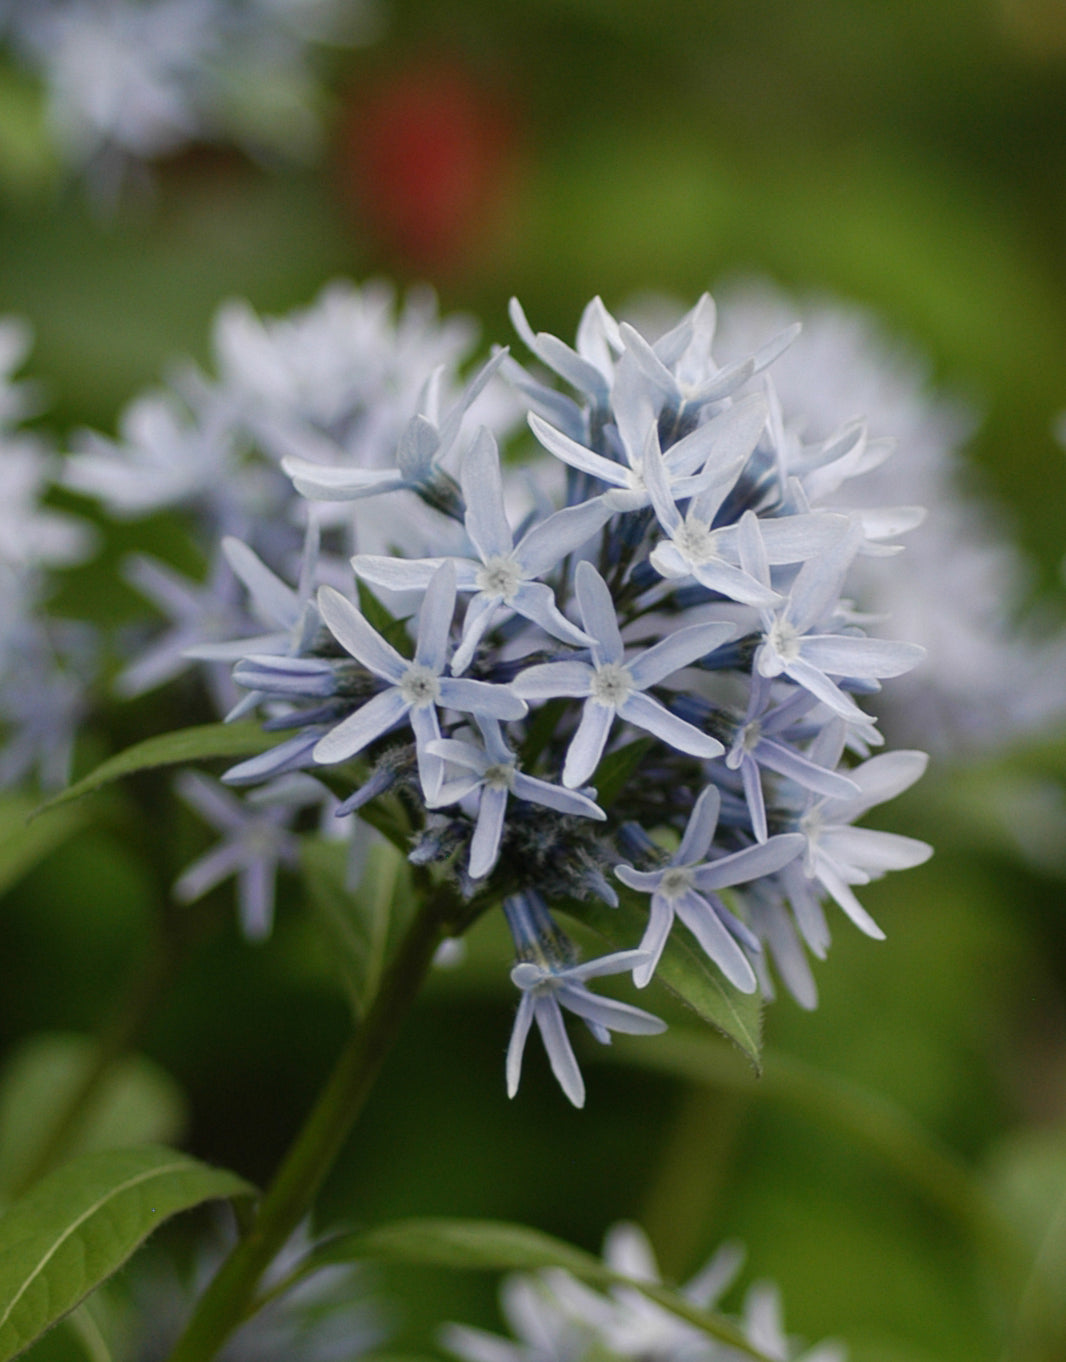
226,1303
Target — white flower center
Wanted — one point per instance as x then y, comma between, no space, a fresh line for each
500,777
499,577
611,684
420,686
783,639
675,882
261,840
695,542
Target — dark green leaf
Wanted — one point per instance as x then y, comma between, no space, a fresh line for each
684,969
203,743
392,630
540,727
497,1246
617,769
492,1245
360,924
78,1225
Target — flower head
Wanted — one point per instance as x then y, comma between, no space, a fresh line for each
685,887
670,617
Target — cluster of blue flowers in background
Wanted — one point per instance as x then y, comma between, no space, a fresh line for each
46,663
627,665
125,82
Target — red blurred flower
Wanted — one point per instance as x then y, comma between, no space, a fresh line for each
426,160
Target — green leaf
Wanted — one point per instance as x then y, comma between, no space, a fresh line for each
86,1328
683,968
136,1102
361,924
492,1245
78,1225
616,769
540,727
392,630
495,1245
22,847
202,743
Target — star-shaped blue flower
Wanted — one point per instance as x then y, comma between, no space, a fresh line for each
505,574
416,688
685,886
614,688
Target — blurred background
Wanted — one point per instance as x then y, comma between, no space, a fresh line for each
905,160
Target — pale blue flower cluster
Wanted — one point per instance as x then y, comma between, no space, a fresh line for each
46,664
128,81
656,606
555,1318
336,381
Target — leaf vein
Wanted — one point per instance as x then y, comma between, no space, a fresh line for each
76,1224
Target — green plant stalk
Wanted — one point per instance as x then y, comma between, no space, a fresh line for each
228,1300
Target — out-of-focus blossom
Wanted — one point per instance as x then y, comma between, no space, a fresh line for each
46,665
428,159
993,672
129,81
333,1315
556,1318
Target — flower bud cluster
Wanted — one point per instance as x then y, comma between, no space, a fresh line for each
629,666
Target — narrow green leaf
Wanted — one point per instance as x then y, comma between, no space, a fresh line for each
392,630
540,727
136,1102
684,969
497,1246
492,1245
22,847
28,159
78,1225
202,743
360,924
617,768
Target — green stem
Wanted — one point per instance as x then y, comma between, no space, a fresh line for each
226,1303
